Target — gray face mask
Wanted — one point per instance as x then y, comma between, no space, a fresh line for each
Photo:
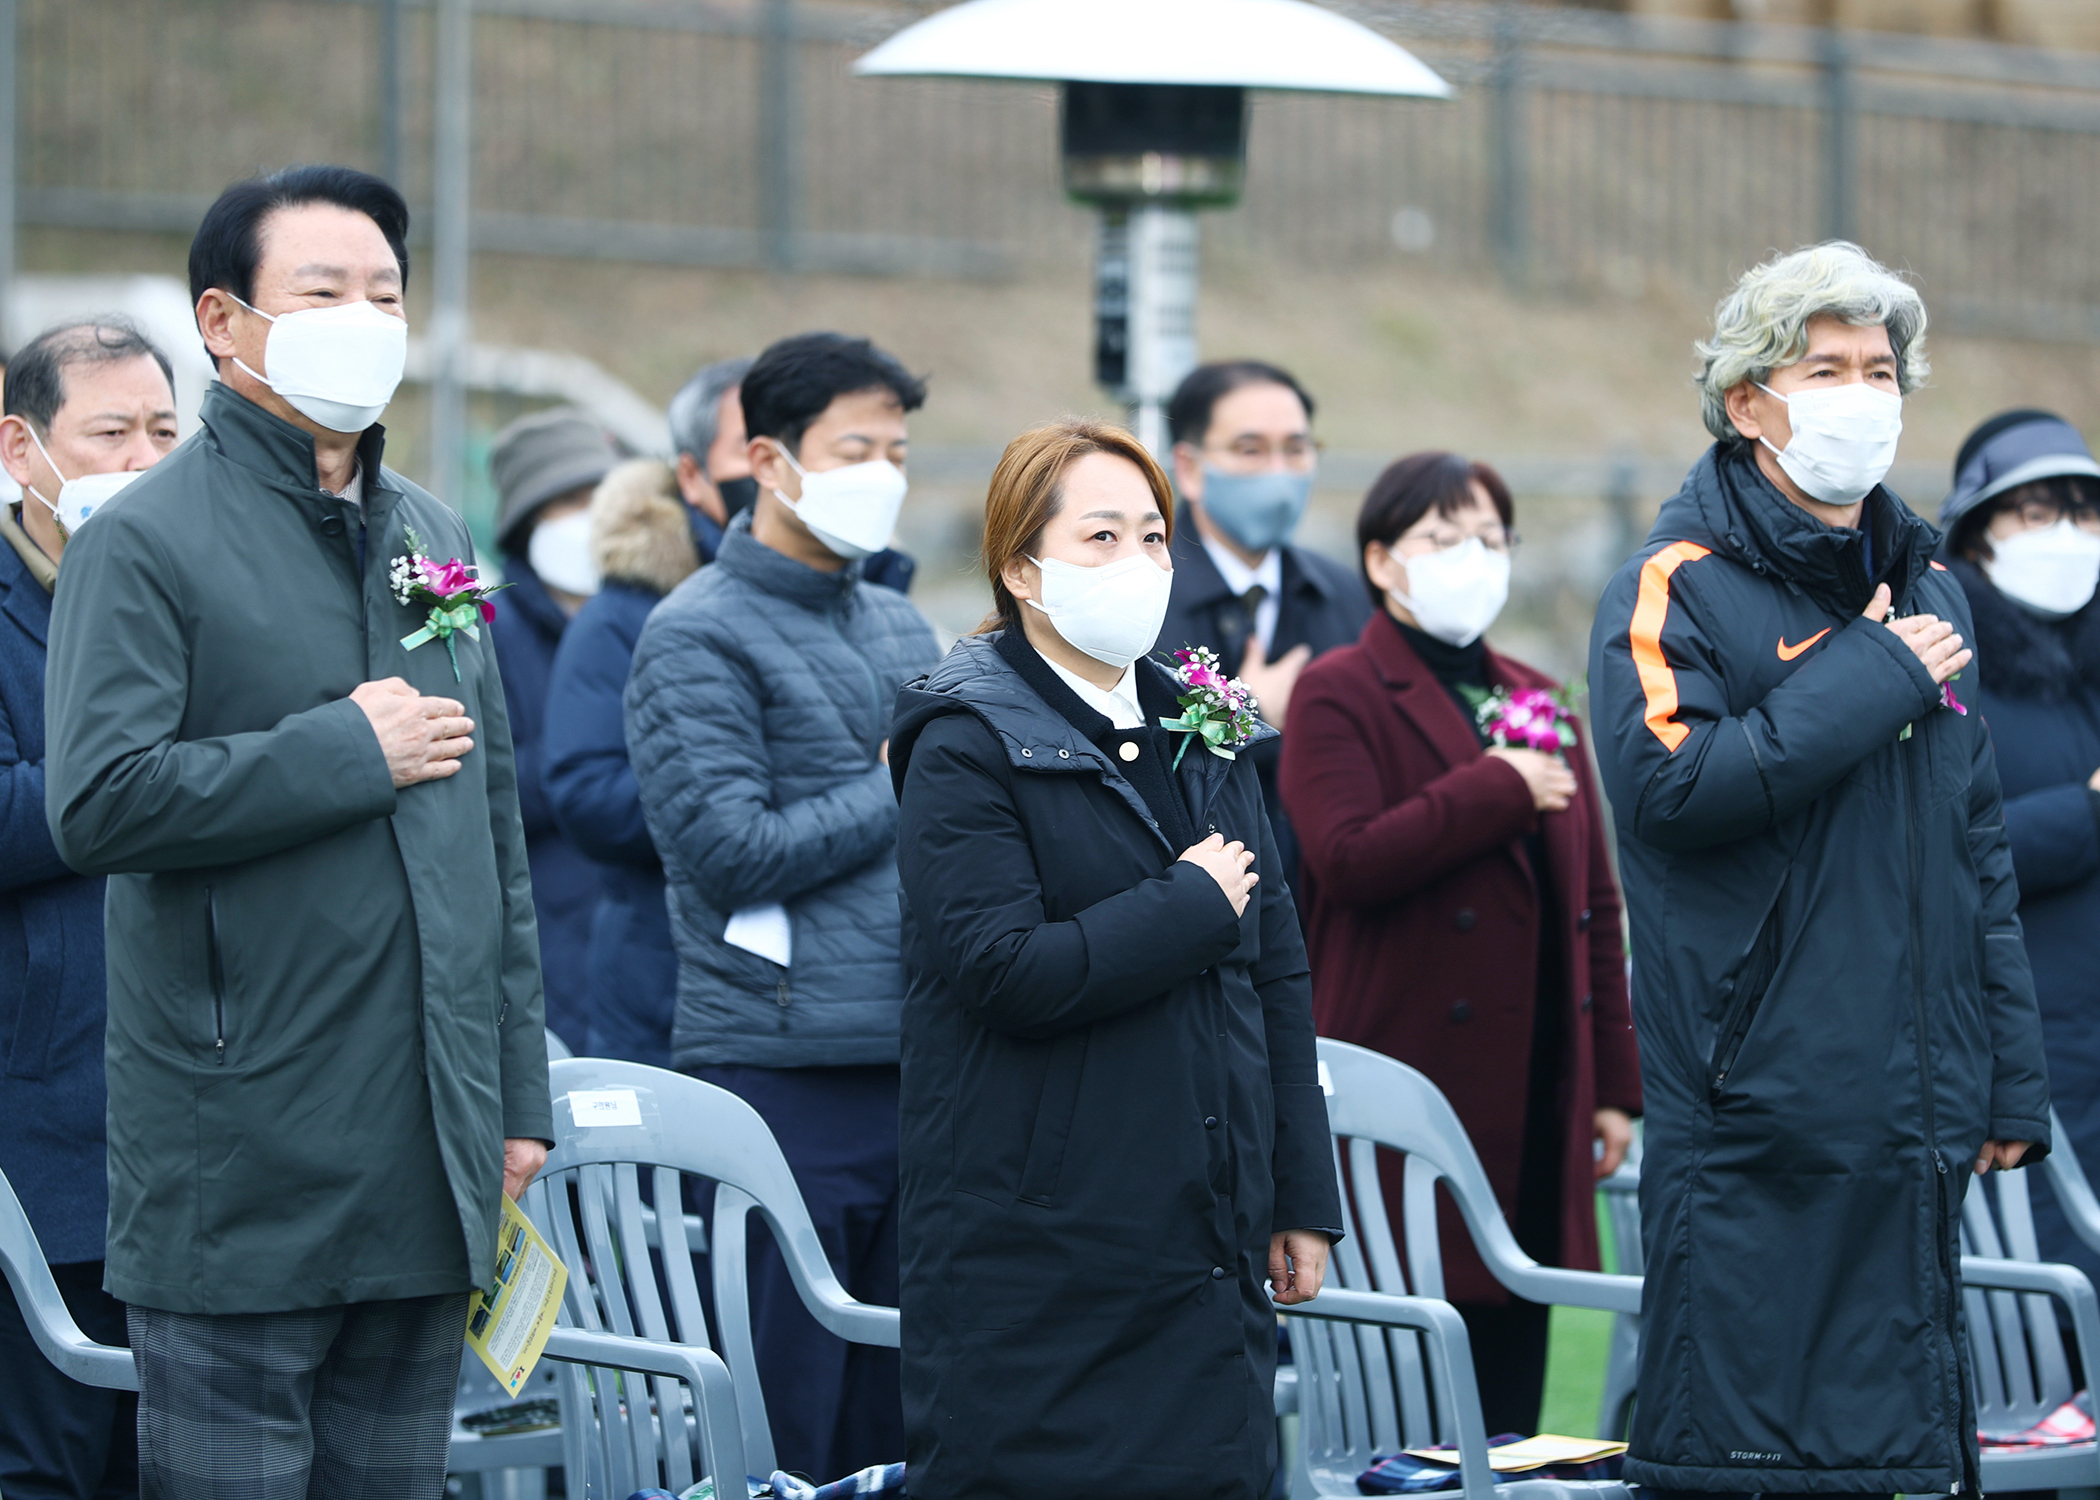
1259,511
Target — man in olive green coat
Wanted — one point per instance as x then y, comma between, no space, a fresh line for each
325,1054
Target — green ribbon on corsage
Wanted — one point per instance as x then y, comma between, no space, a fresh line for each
1213,733
439,627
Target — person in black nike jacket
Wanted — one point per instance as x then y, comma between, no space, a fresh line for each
1835,1013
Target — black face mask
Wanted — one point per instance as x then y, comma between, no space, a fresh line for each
738,495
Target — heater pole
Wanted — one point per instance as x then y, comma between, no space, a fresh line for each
1145,312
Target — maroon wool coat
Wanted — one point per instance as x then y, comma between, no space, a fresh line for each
1422,918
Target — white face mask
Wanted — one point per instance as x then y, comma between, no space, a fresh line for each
1843,442
560,552
78,498
2052,570
852,511
1113,612
1456,592
337,366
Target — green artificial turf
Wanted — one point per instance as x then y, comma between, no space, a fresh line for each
1575,1371
1575,1357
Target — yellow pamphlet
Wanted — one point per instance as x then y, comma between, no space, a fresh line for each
508,1324
1531,1453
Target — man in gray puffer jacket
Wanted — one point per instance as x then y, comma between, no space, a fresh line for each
757,718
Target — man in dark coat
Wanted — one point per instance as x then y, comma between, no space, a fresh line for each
1836,1020
643,544
1244,461
2023,537
326,1051
92,399
545,466
758,718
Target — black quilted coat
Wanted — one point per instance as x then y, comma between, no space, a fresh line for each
1832,998
1110,1098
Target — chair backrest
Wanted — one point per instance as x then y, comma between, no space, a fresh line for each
557,1049
1375,1101
2074,1195
2016,1351
1362,1391
620,1124
1619,1195
50,1321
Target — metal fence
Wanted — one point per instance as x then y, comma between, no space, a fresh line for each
1586,153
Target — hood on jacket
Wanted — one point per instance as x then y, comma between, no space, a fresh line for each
2021,654
40,566
973,677
1727,504
641,528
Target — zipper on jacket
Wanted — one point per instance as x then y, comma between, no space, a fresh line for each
1751,987
1742,1011
1904,757
217,973
780,991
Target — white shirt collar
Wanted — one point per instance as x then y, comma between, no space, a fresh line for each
1238,576
1119,704
354,491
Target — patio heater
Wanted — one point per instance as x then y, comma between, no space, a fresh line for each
1153,114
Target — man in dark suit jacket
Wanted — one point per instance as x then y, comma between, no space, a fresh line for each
1243,462
84,403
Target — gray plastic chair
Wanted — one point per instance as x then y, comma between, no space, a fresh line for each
2016,1351
588,1202
1620,1197
521,1458
50,1320
2067,1179
557,1049
55,1332
1365,1391
1420,1111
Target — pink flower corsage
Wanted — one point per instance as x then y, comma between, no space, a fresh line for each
457,600
1526,719
1216,709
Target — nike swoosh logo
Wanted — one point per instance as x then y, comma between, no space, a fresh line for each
1788,653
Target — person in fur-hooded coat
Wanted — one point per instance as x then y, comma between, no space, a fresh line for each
641,536
2023,537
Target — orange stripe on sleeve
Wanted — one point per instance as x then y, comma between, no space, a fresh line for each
1650,609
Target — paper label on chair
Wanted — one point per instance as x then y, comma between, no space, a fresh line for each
596,1107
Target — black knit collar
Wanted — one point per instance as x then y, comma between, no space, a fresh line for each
1448,663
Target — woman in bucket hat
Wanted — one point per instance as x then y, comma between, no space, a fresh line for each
2023,537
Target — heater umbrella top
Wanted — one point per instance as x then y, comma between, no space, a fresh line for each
1262,44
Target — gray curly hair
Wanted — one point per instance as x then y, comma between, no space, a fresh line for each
1762,325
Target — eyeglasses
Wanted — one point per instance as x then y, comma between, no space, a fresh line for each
1495,539
1296,452
2040,511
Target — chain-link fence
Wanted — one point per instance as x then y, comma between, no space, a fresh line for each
1585,152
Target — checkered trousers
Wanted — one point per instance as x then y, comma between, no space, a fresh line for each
327,1403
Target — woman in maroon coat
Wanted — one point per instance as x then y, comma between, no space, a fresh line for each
1461,912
